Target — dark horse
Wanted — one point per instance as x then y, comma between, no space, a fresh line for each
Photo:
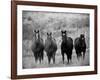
66,46
38,47
80,46
50,47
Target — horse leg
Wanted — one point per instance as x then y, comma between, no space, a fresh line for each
40,58
35,60
62,56
35,56
48,58
83,55
42,55
54,58
68,58
78,56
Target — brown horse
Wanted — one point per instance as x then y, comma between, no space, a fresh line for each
38,47
50,47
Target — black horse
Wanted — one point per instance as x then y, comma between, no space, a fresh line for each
50,47
38,47
66,46
80,46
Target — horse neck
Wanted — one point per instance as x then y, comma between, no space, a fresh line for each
49,40
82,42
65,39
37,38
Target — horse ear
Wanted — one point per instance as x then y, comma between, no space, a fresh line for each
35,31
50,33
82,35
61,31
47,33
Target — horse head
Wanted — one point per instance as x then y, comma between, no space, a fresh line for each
64,35
37,35
82,38
49,35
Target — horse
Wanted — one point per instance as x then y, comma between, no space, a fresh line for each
50,47
80,46
38,47
66,46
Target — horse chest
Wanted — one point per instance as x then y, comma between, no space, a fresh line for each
64,46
